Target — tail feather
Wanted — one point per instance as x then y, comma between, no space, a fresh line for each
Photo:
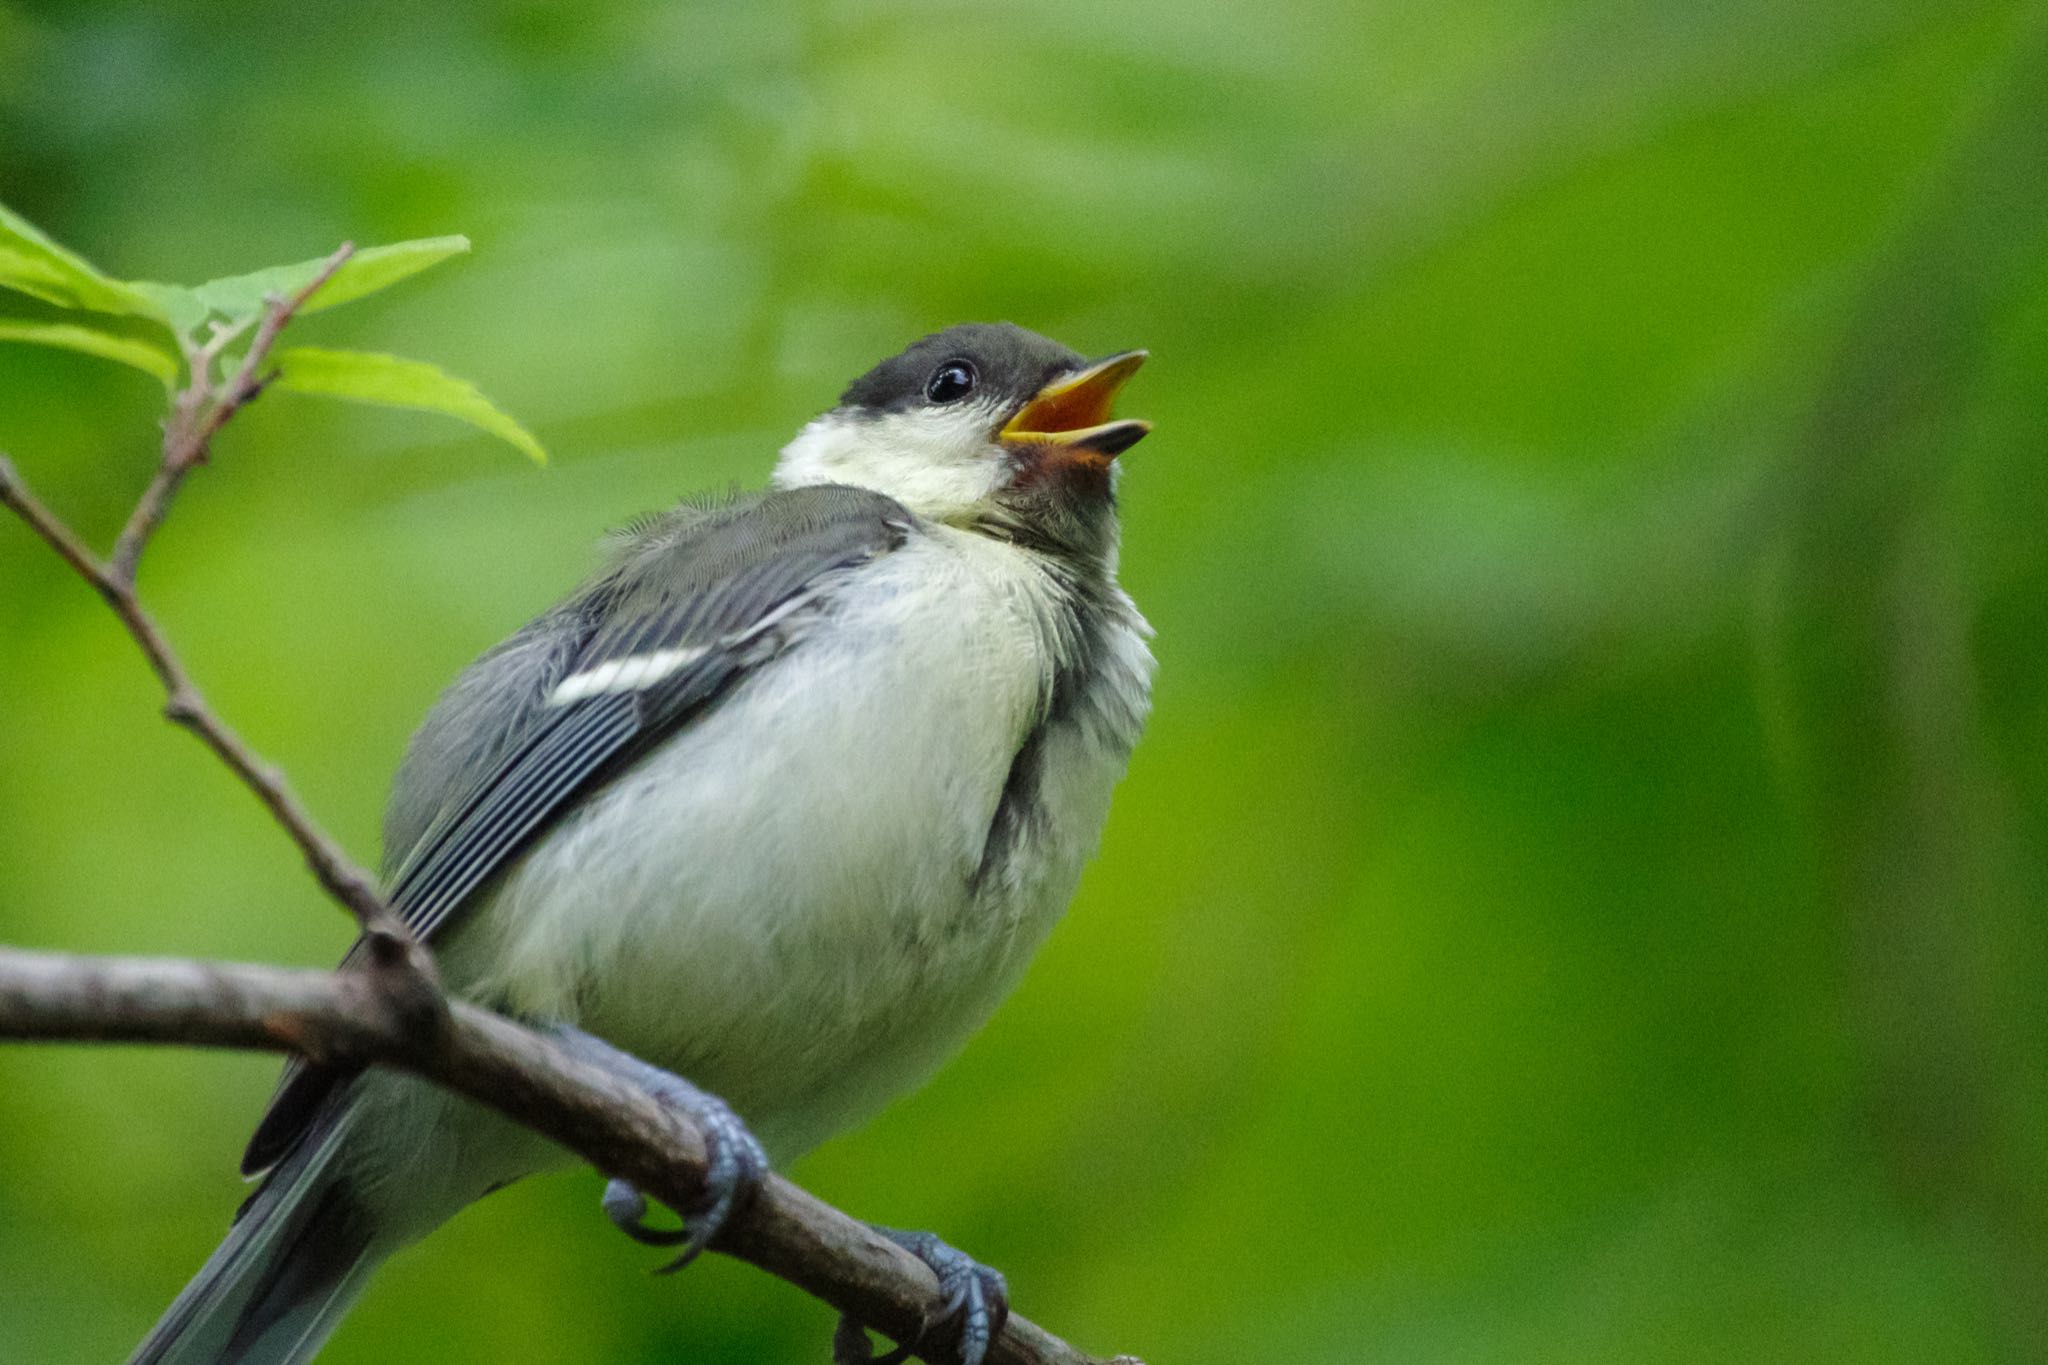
297,1257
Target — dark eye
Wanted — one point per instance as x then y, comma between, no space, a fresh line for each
950,382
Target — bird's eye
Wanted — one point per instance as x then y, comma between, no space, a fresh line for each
950,382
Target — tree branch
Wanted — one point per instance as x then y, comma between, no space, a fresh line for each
358,1018
186,706
197,416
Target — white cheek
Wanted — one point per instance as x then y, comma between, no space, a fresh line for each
938,462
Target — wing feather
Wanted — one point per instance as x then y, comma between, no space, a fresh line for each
499,758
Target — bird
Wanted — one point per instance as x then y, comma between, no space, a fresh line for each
766,817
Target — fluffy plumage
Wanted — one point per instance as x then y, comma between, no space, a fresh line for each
781,801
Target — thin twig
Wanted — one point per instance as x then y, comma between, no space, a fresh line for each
197,415
344,1017
204,407
337,873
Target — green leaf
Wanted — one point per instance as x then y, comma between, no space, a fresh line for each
174,303
389,380
33,264
366,272
149,358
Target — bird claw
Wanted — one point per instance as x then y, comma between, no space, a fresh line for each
626,1207
977,1305
735,1162
734,1173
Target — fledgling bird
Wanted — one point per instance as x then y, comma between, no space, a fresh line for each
777,805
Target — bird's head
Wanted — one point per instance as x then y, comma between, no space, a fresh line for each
983,425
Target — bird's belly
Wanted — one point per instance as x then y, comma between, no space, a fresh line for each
779,902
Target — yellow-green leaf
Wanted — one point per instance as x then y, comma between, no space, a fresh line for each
392,381
33,264
150,359
365,272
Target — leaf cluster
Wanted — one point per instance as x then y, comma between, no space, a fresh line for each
176,320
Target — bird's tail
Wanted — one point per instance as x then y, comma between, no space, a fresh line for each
300,1252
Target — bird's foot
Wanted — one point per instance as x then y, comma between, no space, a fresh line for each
977,1305
736,1164
735,1171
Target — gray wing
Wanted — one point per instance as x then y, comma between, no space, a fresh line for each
693,603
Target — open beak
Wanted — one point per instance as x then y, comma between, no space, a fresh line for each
1073,411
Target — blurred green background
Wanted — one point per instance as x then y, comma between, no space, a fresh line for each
1580,897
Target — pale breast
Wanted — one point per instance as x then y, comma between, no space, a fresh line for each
782,902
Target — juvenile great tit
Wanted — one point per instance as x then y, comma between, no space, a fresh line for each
780,802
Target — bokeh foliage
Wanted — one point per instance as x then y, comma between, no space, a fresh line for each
1580,898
